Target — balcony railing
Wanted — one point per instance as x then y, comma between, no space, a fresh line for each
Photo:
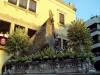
96,41
96,45
94,30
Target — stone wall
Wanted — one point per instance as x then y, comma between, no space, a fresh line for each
48,67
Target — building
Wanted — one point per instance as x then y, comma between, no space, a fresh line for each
31,14
94,26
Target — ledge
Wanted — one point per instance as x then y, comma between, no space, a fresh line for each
21,8
62,25
66,4
2,48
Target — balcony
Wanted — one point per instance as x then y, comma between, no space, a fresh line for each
96,45
98,58
95,32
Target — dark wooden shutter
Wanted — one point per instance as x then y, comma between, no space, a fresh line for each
65,43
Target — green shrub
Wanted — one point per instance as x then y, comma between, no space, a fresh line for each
79,40
17,41
79,37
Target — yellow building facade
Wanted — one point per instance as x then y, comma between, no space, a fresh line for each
22,13
31,14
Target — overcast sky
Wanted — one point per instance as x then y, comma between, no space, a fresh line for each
85,8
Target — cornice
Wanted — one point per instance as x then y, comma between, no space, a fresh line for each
8,18
60,1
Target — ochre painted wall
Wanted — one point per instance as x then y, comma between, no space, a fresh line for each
17,15
3,58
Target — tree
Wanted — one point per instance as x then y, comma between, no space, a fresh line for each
17,42
79,39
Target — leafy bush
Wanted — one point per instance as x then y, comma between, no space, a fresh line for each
79,37
79,40
17,41
46,54
79,45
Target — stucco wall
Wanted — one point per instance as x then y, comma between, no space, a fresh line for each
3,58
17,15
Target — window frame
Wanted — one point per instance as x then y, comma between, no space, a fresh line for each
61,18
32,2
21,4
31,32
18,26
11,1
7,28
65,44
58,42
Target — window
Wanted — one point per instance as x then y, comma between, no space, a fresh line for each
31,32
32,5
4,27
13,1
23,3
58,42
96,51
16,26
64,44
93,27
96,39
61,18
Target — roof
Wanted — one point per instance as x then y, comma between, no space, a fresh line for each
92,20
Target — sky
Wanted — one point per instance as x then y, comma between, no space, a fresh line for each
85,8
